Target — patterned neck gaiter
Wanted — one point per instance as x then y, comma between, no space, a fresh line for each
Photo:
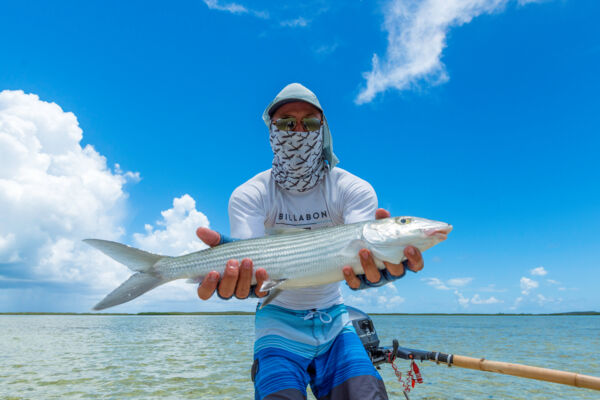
298,163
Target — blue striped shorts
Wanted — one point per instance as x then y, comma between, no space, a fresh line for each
318,347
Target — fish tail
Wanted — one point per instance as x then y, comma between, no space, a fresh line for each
145,279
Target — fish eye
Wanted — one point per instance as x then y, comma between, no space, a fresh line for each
405,220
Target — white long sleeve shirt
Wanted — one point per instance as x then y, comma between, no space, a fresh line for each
340,198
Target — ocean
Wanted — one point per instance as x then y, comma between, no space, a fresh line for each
209,357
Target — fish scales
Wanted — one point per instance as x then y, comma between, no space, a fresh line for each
274,255
300,259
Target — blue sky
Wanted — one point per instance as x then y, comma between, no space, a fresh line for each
483,115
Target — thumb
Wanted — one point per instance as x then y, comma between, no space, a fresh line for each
208,236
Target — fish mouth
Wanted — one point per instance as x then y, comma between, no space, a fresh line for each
441,234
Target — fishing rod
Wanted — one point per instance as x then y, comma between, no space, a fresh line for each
379,355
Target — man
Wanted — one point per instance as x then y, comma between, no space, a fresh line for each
304,336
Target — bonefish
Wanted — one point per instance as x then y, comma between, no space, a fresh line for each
292,259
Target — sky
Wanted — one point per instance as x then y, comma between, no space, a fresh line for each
134,121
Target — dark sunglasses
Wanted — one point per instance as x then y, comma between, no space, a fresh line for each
289,124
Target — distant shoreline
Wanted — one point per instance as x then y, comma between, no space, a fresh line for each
572,313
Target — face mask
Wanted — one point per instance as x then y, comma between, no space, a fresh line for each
297,158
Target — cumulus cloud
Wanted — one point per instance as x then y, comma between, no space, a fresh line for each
436,283
449,284
539,271
173,235
476,299
462,300
527,285
53,193
176,230
390,302
384,298
417,33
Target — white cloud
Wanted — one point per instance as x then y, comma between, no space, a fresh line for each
436,283
552,281
527,285
462,300
542,300
326,49
234,8
539,271
518,301
478,300
383,298
449,284
176,234
459,282
416,38
389,303
294,23
53,193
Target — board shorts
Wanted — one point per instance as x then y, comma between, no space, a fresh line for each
295,348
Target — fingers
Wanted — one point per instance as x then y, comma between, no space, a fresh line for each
368,264
414,257
208,285
208,236
244,280
394,269
230,278
261,276
381,213
351,278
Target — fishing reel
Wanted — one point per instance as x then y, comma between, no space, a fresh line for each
366,332
368,336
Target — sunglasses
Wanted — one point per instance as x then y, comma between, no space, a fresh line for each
289,124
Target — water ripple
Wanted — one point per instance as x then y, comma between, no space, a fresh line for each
209,357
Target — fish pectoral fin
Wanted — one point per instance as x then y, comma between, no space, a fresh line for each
274,293
270,285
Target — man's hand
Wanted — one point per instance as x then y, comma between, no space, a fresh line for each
412,254
236,279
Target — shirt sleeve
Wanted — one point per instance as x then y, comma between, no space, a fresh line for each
360,202
246,212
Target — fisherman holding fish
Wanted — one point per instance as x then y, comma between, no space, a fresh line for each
303,336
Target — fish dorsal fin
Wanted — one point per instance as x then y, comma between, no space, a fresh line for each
278,230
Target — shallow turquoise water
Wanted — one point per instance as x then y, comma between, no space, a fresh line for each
209,357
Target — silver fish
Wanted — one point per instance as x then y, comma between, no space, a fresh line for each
292,259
